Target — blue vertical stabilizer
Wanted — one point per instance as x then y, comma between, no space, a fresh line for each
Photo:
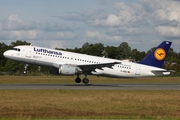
157,57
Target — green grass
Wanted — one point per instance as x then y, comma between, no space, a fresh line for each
93,80
89,104
104,104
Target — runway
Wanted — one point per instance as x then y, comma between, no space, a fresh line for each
90,86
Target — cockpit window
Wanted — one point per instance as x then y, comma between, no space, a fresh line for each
16,49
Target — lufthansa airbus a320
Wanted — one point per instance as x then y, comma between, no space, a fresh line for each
69,63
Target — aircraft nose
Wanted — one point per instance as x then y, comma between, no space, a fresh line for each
6,54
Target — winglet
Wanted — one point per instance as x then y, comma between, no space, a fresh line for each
157,57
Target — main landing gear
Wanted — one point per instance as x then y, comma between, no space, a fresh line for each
85,80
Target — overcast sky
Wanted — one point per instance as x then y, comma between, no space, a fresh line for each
143,24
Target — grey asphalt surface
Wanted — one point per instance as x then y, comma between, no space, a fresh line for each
90,86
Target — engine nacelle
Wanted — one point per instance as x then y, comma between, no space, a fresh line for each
67,70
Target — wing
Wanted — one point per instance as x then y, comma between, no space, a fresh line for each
88,67
92,67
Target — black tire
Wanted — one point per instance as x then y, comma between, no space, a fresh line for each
85,81
78,80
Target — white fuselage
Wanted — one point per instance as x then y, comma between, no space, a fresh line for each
54,58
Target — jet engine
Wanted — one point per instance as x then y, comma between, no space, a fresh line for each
65,70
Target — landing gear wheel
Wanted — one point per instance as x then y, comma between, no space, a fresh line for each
78,80
85,81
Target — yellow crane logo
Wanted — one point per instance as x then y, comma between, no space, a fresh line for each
160,54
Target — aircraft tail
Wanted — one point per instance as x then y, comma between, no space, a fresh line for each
157,57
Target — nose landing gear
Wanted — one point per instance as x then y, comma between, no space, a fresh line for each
25,69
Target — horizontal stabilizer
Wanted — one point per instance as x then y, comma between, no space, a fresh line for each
160,72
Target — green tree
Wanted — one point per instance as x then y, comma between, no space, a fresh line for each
124,51
18,42
77,50
98,49
111,52
13,67
85,48
93,49
3,48
137,55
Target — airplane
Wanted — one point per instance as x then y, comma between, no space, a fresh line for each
69,63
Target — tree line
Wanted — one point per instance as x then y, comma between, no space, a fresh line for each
121,52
